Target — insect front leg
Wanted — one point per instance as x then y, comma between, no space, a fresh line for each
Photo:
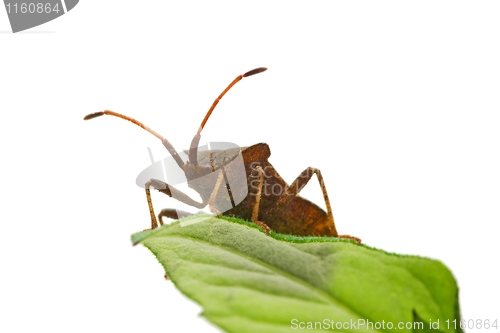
171,192
258,195
172,213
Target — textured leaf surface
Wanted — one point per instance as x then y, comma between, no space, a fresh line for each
247,281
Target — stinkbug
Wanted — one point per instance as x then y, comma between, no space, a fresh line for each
282,211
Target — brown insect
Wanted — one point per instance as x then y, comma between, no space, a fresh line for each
282,211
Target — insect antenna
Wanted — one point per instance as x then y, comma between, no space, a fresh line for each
165,142
193,150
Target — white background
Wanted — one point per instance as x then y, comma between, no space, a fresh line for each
397,104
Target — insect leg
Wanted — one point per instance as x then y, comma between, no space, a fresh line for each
171,192
258,194
172,213
297,185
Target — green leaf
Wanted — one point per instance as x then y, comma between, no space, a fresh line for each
248,281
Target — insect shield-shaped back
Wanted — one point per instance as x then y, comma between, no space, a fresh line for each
220,175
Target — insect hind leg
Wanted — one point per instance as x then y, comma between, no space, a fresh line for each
298,184
293,190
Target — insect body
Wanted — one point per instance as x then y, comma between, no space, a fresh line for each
265,198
